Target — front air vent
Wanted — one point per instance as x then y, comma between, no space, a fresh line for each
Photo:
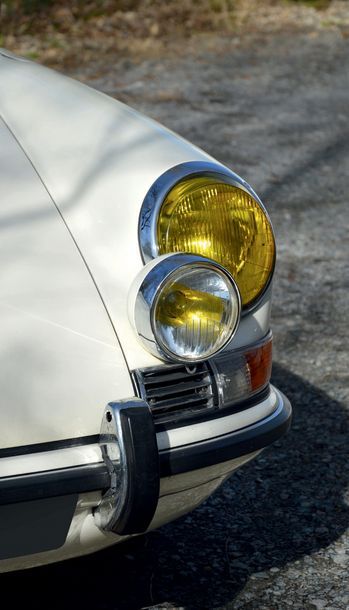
175,392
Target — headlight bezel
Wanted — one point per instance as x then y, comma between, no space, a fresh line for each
155,197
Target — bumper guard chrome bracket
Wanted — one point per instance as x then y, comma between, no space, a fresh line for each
130,452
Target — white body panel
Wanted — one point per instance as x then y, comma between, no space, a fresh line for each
60,362
97,159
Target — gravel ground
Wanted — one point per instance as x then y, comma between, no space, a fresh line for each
275,536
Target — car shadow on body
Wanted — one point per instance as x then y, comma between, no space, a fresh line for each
286,504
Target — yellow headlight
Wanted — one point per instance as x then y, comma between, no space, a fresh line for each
184,307
196,311
179,305
205,216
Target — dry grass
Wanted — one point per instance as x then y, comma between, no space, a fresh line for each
65,33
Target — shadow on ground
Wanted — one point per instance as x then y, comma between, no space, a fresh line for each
286,504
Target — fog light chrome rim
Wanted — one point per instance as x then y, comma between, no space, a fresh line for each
184,307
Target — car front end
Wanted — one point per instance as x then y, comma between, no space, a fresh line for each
139,377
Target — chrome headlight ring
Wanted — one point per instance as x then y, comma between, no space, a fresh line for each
162,186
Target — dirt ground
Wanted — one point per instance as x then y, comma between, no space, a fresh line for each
273,106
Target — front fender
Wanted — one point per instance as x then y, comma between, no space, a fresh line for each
60,361
98,158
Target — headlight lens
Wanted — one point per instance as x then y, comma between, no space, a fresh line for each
207,216
195,312
184,307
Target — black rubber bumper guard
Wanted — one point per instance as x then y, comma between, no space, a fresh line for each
129,476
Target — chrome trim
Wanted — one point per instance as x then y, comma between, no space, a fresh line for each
160,188
130,452
149,291
53,459
114,456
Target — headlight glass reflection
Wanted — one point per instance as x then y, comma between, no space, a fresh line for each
195,312
206,216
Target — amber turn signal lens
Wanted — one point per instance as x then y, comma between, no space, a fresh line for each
244,372
259,362
205,216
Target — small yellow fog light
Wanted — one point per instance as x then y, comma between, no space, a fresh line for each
187,307
195,312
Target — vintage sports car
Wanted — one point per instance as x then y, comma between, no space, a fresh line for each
135,341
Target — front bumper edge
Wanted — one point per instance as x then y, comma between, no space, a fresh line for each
178,460
228,446
53,483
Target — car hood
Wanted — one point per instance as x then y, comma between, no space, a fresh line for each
60,361
96,158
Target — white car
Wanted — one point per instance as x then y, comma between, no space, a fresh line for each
135,338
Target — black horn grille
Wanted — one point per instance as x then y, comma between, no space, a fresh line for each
176,391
